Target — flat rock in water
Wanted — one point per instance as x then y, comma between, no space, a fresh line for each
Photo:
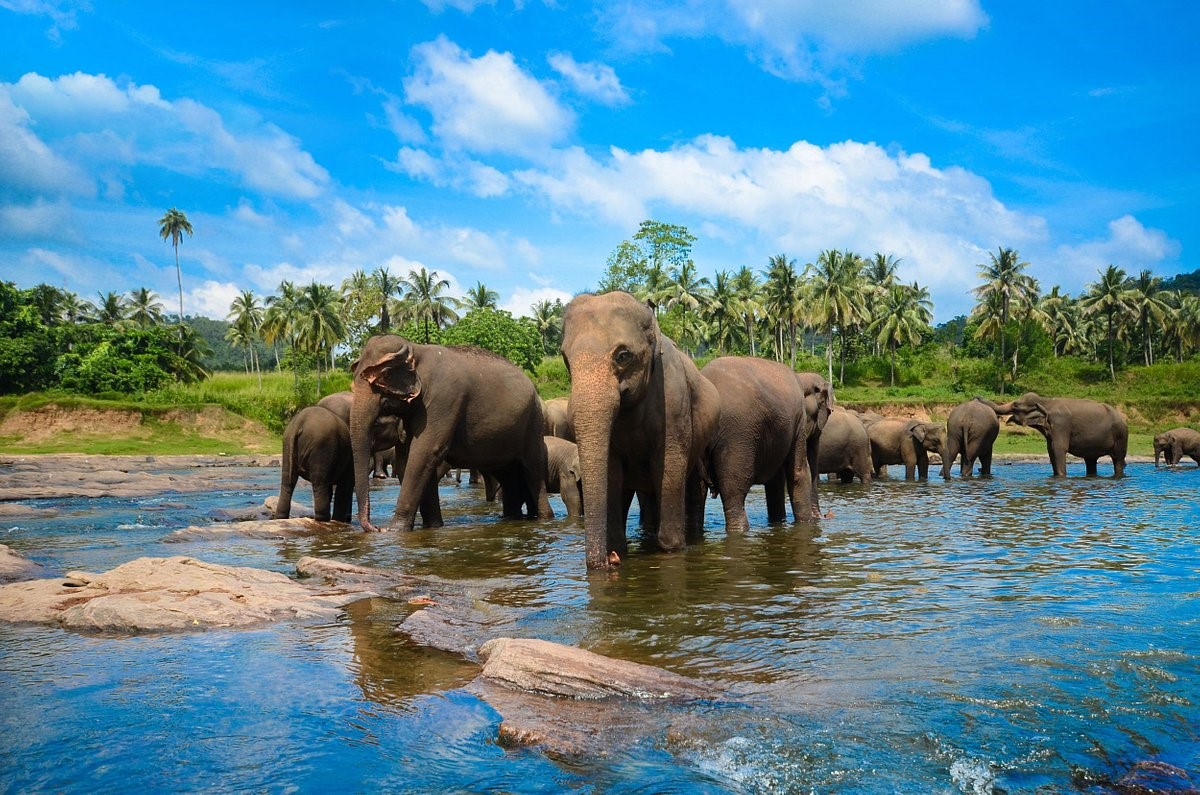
170,594
16,510
15,568
258,513
265,528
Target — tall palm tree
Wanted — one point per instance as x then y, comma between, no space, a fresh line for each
781,302
386,285
279,319
246,315
548,316
75,309
879,274
1146,299
721,312
748,290
173,225
480,297
111,310
838,299
144,308
904,318
423,301
1110,297
190,355
318,324
1004,283
1060,320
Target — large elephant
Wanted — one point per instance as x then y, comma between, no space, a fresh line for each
388,435
818,403
563,474
1174,444
971,430
845,448
316,447
643,418
558,422
905,441
1083,428
460,407
761,438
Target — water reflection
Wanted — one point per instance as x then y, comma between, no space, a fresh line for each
1014,632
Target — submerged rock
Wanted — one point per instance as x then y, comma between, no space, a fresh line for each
169,594
261,512
15,568
264,528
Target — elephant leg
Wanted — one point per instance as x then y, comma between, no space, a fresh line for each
343,494
985,462
1058,459
1092,469
430,506
322,497
948,456
798,483
694,497
512,495
776,504
846,476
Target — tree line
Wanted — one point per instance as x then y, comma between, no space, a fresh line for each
842,306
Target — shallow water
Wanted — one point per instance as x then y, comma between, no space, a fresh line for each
1015,634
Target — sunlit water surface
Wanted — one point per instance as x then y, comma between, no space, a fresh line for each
1012,634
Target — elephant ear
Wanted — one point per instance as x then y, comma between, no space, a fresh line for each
919,430
394,376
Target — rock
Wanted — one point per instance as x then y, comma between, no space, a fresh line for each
266,528
16,510
14,568
170,594
261,512
551,669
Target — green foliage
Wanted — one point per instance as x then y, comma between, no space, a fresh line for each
516,339
551,378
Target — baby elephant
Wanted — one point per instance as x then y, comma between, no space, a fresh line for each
1176,443
908,442
563,474
316,447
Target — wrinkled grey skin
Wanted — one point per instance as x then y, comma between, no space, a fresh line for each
316,447
1176,443
558,422
563,474
761,438
460,407
905,441
818,403
845,448
388,434
643,418
1083,428
971,431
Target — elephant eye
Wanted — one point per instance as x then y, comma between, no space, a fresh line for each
623,357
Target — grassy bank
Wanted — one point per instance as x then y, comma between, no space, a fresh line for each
236,413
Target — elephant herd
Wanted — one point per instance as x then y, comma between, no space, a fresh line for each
641,421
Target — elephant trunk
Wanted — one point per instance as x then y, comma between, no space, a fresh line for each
593,412
363,413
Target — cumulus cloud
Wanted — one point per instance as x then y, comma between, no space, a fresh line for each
520,303
27,165
211,299
1128,245
94,125
596,81
487,104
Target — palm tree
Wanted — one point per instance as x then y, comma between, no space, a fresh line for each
480,297
838,299
1146,299
1110,296
548,316
1060,320
720,312
279,320
318,324
423,301
173,225
144,308
246,317
748,291
880,275
904,317
1004,283
386,285
75,309
781,302
112,309
189,356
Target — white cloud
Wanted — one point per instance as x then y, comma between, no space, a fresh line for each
487,104
594,80
521,301
36,219
27,164
453,170
1128,245
211,299
93,124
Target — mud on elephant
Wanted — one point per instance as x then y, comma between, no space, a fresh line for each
316,447
1083,428
460,407
643,419
761,438
971,431
905,441
1176,443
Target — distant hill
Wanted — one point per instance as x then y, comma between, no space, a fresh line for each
1184,282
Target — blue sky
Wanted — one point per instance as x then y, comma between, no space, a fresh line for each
518,143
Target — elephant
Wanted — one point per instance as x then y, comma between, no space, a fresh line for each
643,419
388,434
316,447
818,403
1175,444
971,430
1083,428
761,438
563,474
905,441
460,407
557,423
845,448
